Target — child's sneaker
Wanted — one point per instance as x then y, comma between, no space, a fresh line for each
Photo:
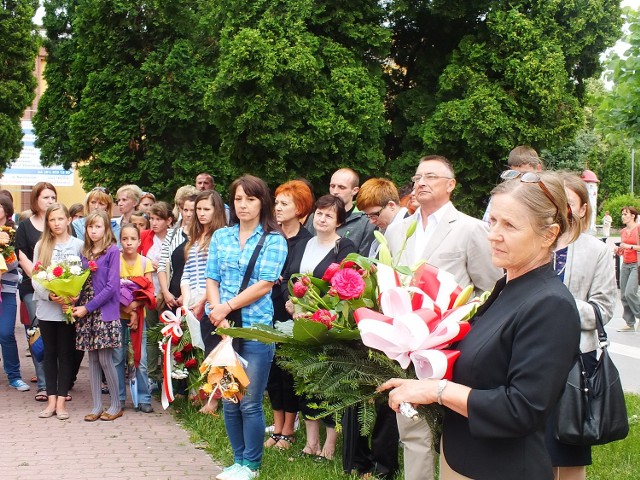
229,472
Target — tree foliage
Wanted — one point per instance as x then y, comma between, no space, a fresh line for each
151,92
619,113
18,48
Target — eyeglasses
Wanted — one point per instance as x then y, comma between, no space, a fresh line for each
428,177
375,215
100,189
531,177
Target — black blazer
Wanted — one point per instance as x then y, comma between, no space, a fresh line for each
344,247
516,359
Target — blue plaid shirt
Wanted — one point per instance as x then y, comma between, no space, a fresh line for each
227,265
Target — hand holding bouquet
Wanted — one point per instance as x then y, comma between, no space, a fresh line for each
64,279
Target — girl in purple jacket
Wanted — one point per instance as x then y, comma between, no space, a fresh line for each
98,312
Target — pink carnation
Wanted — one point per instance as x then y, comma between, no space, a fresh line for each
348,283
299,289
58,271
330,272
324,317
93,266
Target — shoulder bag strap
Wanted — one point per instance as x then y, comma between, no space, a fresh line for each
252,263
602,335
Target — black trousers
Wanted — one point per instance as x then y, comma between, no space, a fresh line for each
381,458
59,340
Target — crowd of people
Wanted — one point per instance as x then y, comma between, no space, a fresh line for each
230,265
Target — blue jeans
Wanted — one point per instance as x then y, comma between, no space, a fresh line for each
120,360
39,366
244,420
11,360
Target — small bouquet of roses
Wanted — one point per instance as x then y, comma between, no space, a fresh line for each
8,250
64,279
223,373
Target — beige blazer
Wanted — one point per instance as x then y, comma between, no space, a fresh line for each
590,276
459,245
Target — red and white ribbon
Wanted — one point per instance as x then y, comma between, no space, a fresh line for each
171,330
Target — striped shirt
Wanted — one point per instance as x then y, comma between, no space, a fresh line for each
173,240
195,269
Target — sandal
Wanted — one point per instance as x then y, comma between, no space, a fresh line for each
41,395
273,440
68,398
285,442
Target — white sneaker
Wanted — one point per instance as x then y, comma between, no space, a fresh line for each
244,473
229,472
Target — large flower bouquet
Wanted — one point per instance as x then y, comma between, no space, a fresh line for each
182,351
64,279
364,322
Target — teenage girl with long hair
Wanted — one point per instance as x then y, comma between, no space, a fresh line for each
56,245
98,313
43,195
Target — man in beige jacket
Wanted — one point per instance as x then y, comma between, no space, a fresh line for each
452,241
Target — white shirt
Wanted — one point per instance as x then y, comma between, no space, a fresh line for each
423,235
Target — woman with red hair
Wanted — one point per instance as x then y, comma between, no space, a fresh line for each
293,204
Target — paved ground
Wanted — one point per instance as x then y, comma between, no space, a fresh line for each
136,445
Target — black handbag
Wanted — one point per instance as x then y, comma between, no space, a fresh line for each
592,410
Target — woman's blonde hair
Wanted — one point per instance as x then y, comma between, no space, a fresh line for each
101,195
104,243
48,239
542,211
131,191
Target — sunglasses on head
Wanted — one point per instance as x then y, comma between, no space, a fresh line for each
100,189
532,177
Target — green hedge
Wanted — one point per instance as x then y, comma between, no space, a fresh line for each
614,205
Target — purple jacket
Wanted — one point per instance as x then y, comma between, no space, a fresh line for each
106,285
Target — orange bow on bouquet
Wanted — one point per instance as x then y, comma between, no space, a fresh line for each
225,373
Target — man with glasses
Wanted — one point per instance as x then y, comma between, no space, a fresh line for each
452,241
379,200
345,185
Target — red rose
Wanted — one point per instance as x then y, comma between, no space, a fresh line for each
187,348
37,266
93,266
348,283
178,357
58,271
191,363
299,290
175,340
305,281
324,317
348,264
330,272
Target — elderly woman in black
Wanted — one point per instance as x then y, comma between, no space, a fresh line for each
523,341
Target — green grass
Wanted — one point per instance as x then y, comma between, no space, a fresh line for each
620,460
617,460
209,433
